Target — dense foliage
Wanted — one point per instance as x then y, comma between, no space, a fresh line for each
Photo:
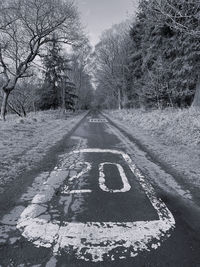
57,90
163,58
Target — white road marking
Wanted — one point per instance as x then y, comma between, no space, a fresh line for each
82,191
98,120
85,170
77,176
102,180
95,241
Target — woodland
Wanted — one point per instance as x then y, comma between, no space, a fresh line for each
151,60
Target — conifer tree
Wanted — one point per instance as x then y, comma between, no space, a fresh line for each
58,90
54,64
165,58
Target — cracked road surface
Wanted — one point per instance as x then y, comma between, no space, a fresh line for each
95,208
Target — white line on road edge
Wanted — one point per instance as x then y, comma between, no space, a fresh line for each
95,241
102,180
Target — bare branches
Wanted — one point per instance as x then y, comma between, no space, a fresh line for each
180,15
35,22
112,58
26,27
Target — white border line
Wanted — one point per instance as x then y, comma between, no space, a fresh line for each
95,240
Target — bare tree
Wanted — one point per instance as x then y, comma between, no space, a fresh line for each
22,99
112,57
80,60
32,26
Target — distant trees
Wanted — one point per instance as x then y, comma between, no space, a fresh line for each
112,57
80,74
25,27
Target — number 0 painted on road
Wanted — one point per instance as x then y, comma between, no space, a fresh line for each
102,180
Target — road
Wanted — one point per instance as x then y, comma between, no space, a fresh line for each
93,208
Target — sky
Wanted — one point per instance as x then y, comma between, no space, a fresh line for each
99,15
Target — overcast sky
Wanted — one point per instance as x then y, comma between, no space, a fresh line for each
99,15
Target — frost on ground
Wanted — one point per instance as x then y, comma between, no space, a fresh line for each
25,141
172,135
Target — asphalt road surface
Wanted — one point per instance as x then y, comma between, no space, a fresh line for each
89,205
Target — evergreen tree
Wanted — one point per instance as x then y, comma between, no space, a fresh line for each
54,64
69,95
162,57
58,91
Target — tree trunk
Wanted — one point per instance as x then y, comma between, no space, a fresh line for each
34,107
63,98
196,101
23,110
4,104
7,89
119,100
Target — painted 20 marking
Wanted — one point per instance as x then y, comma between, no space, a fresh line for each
102,179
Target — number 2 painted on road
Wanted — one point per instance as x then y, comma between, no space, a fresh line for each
102,180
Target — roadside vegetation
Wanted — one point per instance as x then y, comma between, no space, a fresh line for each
173,126
25,141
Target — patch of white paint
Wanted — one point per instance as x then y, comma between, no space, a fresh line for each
56,178
77,176
96,241
84,171
102,180
82,191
